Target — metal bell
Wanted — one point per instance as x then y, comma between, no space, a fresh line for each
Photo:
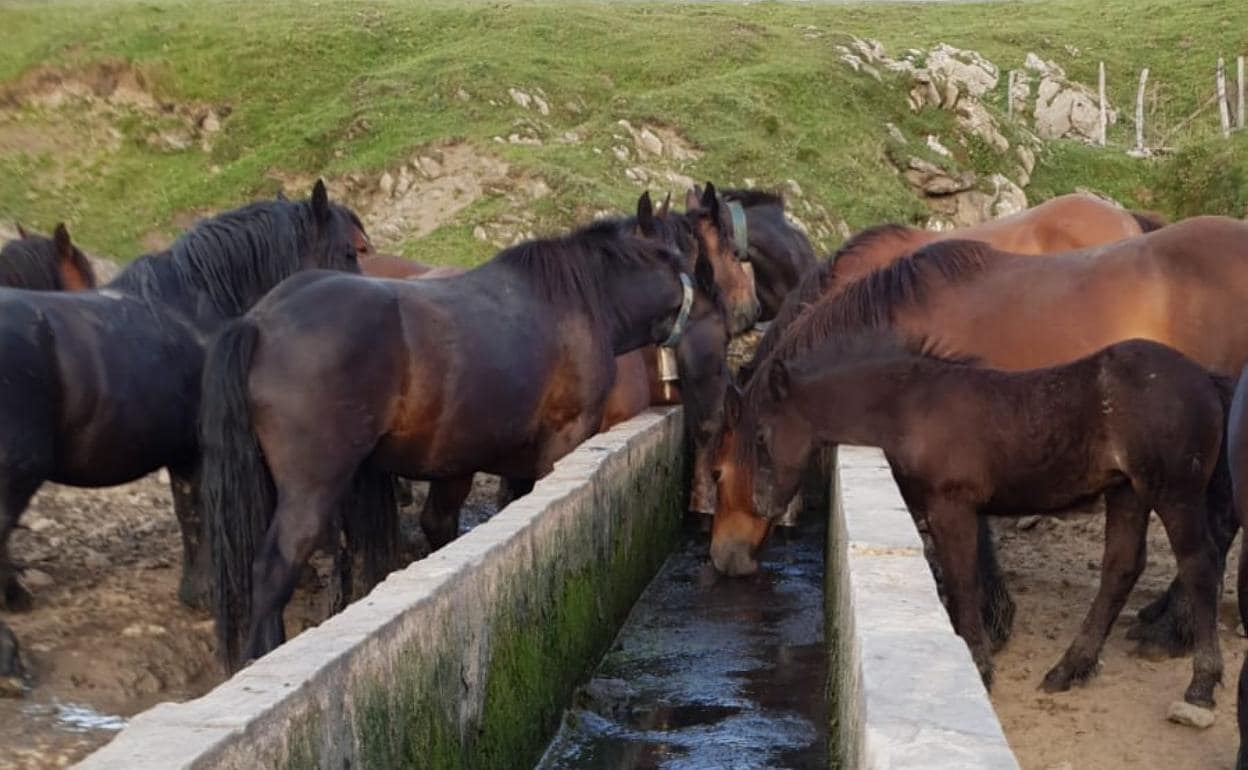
667,371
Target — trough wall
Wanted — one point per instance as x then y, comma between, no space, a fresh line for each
463,659
903,690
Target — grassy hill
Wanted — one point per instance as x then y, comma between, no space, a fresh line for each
756,92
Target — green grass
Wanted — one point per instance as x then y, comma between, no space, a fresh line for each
330,88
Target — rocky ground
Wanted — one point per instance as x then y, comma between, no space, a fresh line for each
1118,720
107,637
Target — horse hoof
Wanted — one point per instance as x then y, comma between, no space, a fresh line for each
195,593
1063,675
1200,695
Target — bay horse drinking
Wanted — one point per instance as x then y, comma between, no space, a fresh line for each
1137,422
1184,286
334,382
45,264
102,387
1065,223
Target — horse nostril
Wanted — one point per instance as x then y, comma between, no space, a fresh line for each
732,558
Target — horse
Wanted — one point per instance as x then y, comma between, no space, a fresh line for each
1065,223
703,232
778,253
1137,423
333,384
1237,451
1183,285
45,264
102,387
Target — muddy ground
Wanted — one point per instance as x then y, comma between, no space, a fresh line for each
1118,720
107,637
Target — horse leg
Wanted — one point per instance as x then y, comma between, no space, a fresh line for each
440,517
996,607
15,494
1200,573
955,536
298,523
195,589
511,489
1163,628
1126,529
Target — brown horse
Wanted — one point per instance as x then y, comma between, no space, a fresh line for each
1065,223
45,264
334,382
1183,285
1137,423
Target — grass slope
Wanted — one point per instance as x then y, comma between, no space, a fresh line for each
331,88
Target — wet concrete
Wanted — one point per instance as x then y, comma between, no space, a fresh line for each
710,671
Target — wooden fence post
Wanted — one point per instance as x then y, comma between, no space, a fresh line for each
1222,105
1104,111
1239,103
1139,112
1009,90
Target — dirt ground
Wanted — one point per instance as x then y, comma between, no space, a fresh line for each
107,637
1117,720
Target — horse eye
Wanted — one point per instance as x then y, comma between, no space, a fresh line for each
716,474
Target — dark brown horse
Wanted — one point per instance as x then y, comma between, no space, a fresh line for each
1183,285
45,264
1137,423
778,253
334,379
1237,450
101,387
1065,223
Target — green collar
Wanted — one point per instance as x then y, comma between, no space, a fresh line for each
740,230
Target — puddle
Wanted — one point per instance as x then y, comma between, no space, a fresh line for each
75,717
711,672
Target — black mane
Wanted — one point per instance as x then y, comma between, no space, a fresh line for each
577,268
234,258
751,197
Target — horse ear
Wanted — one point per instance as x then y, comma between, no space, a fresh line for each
778,381
21,231
691,199
667,205
710,201
64,246
320,202
645,214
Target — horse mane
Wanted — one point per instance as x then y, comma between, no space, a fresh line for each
31,263
1149,220
576,268
233,258
750,197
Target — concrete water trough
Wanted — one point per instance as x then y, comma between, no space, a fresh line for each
470,657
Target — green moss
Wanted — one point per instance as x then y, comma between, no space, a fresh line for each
548,627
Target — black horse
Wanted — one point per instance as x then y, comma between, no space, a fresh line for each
332,382
102,387
45,264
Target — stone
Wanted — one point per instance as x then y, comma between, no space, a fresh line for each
935,146
1184,713
975,119
12,672
462,95
793,188
429,167
520,97
39,523
649,142
386,184
968,71
36,579
621,152
1026,157
479,233
1027,522
934,180
571,137
1042,67
1068,110
895,133
1010,198
211,124
404,182
542,106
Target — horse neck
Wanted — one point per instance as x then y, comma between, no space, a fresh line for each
880,252
859,403
637,302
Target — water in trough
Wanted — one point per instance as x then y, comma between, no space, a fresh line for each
710,671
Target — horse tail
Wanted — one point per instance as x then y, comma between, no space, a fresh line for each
369,517
237,497
1149,220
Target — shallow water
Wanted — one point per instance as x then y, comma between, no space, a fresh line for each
711,672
